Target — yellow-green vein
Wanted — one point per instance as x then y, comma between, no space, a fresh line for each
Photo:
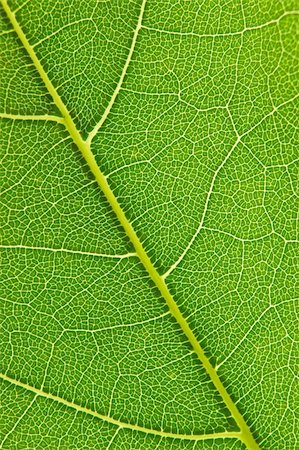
47,395
45,117
245,434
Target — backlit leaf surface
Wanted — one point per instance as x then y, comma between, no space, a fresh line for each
148,224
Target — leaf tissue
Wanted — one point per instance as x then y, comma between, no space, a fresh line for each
149,224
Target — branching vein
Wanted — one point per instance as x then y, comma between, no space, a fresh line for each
118,423
216,35
123,74
66,250
245,434
44,117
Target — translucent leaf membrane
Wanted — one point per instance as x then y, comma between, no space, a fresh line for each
49,199
83,47
47,424
111,347
188,110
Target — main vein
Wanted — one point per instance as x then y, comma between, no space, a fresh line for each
245,434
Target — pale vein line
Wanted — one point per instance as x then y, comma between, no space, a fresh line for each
187,248
244,338
17,422
133,427
21,6
245,434
123,74
68,25
44,155
237,238
44,117
239,139
113,438
65,250
115,327
235,33
6,32
271,113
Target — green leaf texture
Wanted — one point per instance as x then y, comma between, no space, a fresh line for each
148,224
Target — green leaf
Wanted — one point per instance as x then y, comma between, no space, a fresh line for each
148,224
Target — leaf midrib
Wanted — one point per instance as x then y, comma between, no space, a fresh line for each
245,434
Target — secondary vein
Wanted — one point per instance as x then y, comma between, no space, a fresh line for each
66,250
123,74
245,434
47,395
44,117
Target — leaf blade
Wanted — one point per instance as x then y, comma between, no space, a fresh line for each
78,139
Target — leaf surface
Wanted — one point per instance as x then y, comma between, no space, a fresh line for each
148,225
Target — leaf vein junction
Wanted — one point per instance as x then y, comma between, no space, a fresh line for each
45,117
66,250
245,434
234,33
192,437
123,74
